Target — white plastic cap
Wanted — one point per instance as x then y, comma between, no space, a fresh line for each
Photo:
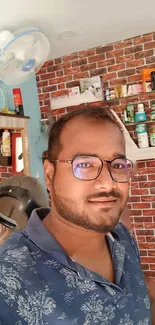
140,107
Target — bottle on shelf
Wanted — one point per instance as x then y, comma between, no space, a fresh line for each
140,116
130,112
6,143
142,135
152,135
152,114
17,97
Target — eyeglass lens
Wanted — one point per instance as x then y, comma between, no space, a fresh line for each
89,167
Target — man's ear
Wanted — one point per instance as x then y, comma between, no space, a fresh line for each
49,172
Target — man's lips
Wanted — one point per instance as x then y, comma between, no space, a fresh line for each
103,200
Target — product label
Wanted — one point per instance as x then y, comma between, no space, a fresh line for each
17,99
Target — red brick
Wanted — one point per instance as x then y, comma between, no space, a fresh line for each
145,266
59,73
59,111
3,169
146,184
44,96
49,89
139,178
48,63
150,273
143,219
134,199
55,81
44,109
58,60
114,54
47,76
135,63
84,54
136,212
109,76
96,58
77,63
125,58
150,239
54,68
150,163
149,212
134,78
149,45
138,225
141,191
42,84
142,39
61,86
104,49
150,225
141,205
150,60
72,84
123,44
148,198
152,190
134,185
134,49
152,266
151,252
141,239
70,57
6,175
41,102
144,232
97,72
59,93
143,54
141,164
41,71
72,70
148,259
88,67
126,72
116,67
80,75
105,63
114,82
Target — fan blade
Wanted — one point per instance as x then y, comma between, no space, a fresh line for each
21,45
13,74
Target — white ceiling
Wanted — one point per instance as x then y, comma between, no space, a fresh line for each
96,22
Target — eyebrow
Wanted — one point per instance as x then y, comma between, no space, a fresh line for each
115,155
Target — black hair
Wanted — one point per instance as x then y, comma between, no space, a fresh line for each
94,112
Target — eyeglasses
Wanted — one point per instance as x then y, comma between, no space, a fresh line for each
89,168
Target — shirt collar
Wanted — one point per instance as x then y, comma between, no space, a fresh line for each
37,232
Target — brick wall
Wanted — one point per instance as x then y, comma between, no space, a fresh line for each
121,62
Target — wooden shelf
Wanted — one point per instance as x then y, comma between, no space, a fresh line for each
14,115
128,97
142,122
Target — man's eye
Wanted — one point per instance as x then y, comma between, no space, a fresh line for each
84,165
119,166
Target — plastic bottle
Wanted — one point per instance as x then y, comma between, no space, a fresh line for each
152,114
130,112
17,97
142,135
6,145
140,116
152,135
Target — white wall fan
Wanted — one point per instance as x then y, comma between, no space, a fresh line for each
22,54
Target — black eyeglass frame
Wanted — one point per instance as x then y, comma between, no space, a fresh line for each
100,169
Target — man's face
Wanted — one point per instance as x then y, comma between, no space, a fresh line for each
95,204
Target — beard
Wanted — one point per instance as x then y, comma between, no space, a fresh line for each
103,222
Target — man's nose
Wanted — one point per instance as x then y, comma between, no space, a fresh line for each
104,181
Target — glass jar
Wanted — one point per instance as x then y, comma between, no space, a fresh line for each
152,135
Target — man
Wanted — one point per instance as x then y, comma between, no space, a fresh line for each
75,263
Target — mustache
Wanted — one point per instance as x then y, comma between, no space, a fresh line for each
112,193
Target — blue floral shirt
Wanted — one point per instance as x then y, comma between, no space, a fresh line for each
41,285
